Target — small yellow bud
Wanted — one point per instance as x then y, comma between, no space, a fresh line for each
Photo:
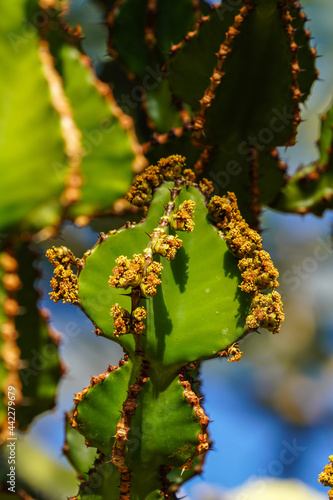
61,255
127,272
182,219
64,285
138,315
151,280
121,321
266,312
166,245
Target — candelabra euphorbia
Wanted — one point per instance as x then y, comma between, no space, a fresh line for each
181,286
221,86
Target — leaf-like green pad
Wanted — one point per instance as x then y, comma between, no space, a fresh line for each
103,484
164,431
107,152
178,477
161,109
260,56
77,452
134,24
188,78
326,137
233,167
99,411
173,20
305,56
30,134
197,311
128,35
310,189
271,176
126,94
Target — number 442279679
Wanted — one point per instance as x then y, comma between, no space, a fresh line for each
11,410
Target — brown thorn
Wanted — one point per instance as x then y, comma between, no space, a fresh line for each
296,94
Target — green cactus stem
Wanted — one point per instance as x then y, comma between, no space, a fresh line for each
43,146
76,450
144,416
309,190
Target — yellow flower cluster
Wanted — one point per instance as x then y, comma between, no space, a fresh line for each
206,187
258,270
170,168
141,193
234,353
182,219
240,238
138,315
266,312
130,272
151,279
127,272
189,175
64,282
326,477
121,320
166,245
61,255
124,322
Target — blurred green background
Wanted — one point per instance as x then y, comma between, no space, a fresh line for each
272,412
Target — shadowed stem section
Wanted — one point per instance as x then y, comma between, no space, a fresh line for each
254,175
194,401
123,427
218,73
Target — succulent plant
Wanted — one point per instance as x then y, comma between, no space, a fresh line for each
185,119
